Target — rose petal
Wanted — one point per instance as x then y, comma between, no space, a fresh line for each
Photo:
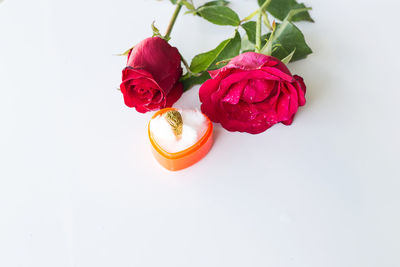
301,89
248,61
276,63
257,90
174,94
235,92
157,98
294,99
144,83
131,73
253,61
246,75
289,121
282,105
247,120
278,73
205,92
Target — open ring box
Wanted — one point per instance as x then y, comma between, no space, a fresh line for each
185,158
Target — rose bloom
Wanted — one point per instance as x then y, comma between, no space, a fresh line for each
252,93
150,80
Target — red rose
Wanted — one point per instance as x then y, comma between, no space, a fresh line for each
150,80
252,93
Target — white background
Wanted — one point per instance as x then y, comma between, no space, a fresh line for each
79,185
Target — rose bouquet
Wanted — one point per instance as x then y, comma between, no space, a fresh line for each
246,85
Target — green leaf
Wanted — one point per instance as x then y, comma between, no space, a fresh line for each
249,17
293,13
281,8
202,61
287,38
156,31
287,59
247,46
189,5
220,15
216,3
250,28
173,2
211,3
189,80
126,53
264,39
231,50
225,50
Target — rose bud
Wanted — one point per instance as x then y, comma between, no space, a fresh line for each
252,93
150,80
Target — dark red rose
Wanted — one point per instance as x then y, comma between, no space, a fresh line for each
252,93
150,80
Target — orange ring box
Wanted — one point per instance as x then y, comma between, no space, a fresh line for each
185,158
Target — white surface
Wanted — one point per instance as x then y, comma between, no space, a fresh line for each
194,127
79,186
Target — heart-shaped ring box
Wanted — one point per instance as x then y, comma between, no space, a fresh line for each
185,158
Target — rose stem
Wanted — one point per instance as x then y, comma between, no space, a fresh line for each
173,19
185,63
258,29
258,33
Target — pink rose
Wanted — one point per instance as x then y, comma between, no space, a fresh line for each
252,93
150,80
